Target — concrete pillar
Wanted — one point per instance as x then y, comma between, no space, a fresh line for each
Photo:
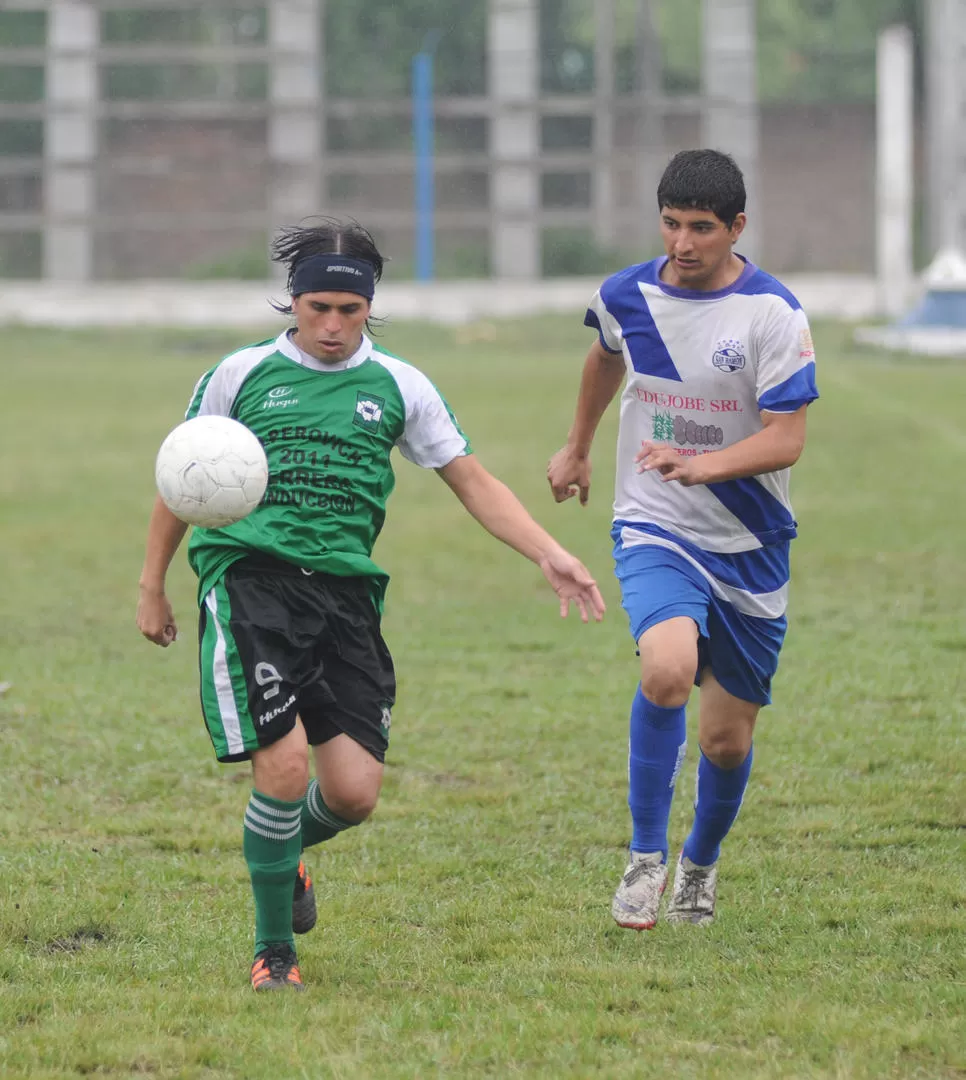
605,224
514,84
70,139
296,123
651,151
729,120
894,168
945,61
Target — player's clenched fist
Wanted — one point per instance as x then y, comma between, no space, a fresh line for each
568,474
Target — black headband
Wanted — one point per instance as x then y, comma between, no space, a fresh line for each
333,273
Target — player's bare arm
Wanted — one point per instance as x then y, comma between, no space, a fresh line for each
568,472
155,617
778,445
502,514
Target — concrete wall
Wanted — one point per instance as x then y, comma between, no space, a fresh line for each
816,211
817,186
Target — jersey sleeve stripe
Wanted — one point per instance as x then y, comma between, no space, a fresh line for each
797,390
432,436
198,396
591,320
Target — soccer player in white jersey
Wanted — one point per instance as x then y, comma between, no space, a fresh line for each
717,364
291,653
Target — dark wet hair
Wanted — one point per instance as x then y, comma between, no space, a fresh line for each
703,180
324,236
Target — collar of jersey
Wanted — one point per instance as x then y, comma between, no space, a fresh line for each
287,347
653,277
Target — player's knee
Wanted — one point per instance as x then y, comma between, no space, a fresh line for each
668,685
726,749
282,776
353,804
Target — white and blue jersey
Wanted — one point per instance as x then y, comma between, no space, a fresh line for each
701,368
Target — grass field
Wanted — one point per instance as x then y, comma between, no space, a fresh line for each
465,930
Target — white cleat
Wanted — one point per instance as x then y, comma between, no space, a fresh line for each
638,896
694,893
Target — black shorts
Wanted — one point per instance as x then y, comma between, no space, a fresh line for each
277,642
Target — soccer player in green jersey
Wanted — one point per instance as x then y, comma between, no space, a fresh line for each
291,653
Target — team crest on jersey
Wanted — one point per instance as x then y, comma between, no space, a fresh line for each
368,414
729,356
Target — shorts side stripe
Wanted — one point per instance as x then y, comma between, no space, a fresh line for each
209,698
225,680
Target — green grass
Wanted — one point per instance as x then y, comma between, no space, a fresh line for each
465,930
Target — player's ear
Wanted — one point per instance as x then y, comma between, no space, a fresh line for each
738,226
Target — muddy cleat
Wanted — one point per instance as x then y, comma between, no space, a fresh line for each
276,968
304,912
638,896
694,893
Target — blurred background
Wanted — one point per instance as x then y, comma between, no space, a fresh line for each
514,139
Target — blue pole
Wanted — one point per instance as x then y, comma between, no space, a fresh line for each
425,180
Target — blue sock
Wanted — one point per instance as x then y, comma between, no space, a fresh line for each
717,801
657,744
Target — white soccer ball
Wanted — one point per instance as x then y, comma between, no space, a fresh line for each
211,471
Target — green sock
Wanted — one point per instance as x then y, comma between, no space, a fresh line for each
272,845
318,821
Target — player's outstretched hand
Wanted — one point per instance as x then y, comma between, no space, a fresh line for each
155,617
667,462
572,582
569,475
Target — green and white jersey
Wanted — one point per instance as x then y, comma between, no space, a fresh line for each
328,431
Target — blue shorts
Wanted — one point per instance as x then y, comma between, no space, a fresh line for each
658,584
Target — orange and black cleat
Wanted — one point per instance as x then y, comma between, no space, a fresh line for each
276,968
304,912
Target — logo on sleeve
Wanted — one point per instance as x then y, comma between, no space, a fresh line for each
729,356
368,414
